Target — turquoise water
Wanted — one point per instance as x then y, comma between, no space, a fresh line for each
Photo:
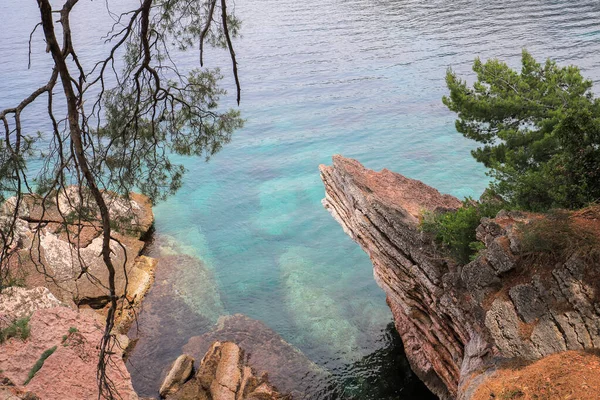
362,78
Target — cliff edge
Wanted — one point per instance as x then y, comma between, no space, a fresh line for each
462,324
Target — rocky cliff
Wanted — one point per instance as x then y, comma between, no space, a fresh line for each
459,323
63,301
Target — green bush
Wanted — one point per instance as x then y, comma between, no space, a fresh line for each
39,363
19,329
455,230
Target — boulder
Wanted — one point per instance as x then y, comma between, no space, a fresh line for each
224,374
288,369
180,371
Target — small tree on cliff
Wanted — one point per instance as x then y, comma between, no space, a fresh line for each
539,131
114,128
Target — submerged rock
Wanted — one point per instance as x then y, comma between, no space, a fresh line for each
184,272
288,369
183,301
321,317
455,320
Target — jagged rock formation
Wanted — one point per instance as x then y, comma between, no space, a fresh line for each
224,374
180,372
57,257
288,369
457,321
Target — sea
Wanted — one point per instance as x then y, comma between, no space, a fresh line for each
361,78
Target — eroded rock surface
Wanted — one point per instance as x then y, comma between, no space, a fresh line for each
454,320
19,302
56,255
288,369
57,249
224,374
70,372
180,372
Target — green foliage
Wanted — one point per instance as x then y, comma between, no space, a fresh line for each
18,329
7,279
455,230
189,126
539,131
72,330
39,363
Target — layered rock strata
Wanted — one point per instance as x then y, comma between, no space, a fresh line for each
457,321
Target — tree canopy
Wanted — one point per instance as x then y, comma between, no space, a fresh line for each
538,130
114,128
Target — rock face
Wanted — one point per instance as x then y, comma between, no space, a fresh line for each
57,249
20,302
288,369
57,255
225,375
454,320
70,372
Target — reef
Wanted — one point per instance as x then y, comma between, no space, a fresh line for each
462,325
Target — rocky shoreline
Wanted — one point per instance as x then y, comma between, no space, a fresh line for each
465,328
62,294
62,297
461,325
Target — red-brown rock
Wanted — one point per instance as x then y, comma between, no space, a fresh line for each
457,320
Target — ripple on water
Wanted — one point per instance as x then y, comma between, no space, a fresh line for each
359,77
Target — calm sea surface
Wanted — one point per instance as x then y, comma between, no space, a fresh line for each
363,78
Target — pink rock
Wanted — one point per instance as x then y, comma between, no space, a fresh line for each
70,372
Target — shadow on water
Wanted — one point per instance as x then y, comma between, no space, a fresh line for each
382,375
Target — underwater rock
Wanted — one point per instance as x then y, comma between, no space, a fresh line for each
288,369
173,311
185,273
319,315
69,373
455,320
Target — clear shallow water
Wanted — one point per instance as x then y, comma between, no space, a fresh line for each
363,78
